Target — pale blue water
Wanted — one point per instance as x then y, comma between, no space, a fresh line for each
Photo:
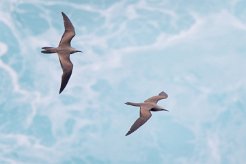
133,49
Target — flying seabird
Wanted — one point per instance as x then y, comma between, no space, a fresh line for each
148,105
64,50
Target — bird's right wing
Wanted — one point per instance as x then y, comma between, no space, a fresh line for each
155,99
67,67
69,32
144,116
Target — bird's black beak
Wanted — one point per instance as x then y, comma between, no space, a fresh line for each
166,110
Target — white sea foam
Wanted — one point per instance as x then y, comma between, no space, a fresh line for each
3,49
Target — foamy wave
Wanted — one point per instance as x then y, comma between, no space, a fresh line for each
3,49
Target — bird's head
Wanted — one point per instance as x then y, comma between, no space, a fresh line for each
128,103
74,51
165,110
162,108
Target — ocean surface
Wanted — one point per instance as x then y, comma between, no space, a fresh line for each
193,50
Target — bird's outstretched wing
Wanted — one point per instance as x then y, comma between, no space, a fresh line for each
144,116
69,32
155,99
67,67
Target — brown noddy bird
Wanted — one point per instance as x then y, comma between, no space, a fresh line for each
148,105
64,50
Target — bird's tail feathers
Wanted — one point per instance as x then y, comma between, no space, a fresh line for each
48,50
133,104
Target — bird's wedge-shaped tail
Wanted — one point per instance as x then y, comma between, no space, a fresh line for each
48,50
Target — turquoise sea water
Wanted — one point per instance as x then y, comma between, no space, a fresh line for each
133,49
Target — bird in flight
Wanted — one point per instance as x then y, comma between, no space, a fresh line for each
64,50
145,110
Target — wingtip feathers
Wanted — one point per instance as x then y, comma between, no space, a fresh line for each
128,133
163,94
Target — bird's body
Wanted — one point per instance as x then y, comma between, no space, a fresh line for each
64,50
145,110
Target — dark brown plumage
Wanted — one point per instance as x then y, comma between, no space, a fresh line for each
145,110
69,32
64,50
